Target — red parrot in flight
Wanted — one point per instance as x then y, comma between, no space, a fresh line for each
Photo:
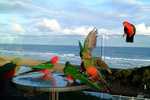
129,31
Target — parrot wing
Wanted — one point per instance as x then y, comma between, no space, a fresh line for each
43,66
134,29
90,41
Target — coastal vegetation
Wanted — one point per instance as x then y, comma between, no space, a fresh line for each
139,77
131,82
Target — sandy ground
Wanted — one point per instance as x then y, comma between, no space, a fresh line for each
21,61
28,62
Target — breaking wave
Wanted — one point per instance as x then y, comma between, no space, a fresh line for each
114,62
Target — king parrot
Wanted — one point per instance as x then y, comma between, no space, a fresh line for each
72,72
91,64
46,67
129,31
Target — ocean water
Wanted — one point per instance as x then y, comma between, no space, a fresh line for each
115,57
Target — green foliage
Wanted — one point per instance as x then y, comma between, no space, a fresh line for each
146,77
136,77
126,73
123,74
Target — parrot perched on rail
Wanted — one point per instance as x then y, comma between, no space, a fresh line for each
89,64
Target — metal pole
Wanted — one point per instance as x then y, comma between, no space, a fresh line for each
101,47
57,95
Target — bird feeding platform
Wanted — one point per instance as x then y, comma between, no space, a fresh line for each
55,85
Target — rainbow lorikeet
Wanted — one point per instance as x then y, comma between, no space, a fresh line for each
89,64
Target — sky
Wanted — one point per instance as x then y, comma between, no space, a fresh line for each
64,22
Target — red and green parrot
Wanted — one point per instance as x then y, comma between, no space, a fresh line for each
89,64
46,67
73,73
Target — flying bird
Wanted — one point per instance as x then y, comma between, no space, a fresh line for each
129,31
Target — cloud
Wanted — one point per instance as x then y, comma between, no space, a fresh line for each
26,8
82,30
87,13
53,25
143,29
17,28
50,24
